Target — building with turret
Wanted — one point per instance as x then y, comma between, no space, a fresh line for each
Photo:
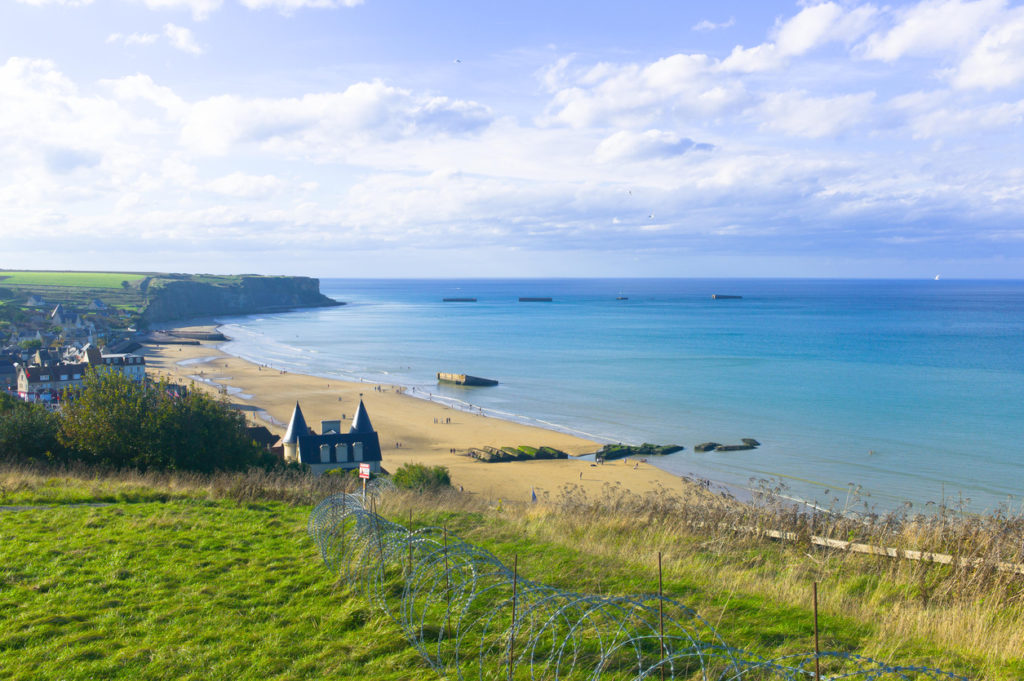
331,448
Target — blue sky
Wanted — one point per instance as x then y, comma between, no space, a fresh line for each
384,138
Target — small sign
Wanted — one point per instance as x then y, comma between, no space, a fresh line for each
364,470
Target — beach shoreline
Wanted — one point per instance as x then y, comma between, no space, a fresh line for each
411,429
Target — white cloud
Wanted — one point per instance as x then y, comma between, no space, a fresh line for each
941,116
201,9
326,125
242,185
650,144
706,25
997,60
182,39
133,38
795,113
632,95
763,57
141,87
933,26
808,29
811,28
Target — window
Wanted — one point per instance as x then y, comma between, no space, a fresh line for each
44,377
77,376
63,377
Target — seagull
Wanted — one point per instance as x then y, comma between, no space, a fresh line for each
457,61
651,216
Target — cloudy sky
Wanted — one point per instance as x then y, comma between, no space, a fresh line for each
527,138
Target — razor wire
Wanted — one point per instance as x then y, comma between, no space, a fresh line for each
472,617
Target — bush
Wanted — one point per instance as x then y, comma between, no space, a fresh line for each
27,431
420,477
117,422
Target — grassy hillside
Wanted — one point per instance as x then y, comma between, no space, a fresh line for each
215,578
103,280
76,289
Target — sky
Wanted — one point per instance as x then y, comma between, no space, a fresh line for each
409,138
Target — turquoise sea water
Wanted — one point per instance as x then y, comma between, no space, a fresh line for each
913,390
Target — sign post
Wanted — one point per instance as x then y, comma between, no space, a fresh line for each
364,473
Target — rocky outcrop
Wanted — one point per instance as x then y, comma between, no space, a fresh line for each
171,299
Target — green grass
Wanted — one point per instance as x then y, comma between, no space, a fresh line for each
188,589
215,578
78,279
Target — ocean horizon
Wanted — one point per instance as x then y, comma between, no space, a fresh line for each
864,394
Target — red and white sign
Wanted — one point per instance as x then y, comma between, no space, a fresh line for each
364,470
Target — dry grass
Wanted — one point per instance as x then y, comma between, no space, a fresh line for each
971,610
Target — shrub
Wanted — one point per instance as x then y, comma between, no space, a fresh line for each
417,476
115,421
27,431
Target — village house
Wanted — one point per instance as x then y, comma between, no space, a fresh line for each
332,448
127,364
39,383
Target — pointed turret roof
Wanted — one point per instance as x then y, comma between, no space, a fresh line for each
296,427
361,421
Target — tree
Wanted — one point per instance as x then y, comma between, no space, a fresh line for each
115,421
31,345
28,432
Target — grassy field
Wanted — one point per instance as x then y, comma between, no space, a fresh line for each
185,577
107,280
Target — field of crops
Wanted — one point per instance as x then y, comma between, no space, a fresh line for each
53,278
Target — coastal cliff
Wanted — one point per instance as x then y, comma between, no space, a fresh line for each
197,296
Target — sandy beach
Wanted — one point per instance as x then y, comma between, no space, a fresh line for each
411,429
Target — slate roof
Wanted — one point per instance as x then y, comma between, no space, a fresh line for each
309,448
361,421
296,427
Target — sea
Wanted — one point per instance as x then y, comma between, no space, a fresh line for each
866,395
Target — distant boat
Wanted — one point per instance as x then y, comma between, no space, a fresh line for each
937,277
621,297
458,300
534,300
720,296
